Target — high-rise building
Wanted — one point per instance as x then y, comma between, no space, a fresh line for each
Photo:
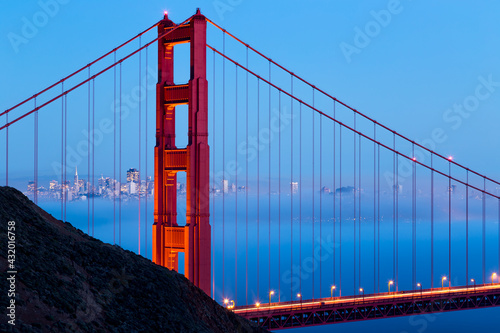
294,187
133,175
77,183
225,185
76,175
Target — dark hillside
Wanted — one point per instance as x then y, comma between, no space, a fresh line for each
68,281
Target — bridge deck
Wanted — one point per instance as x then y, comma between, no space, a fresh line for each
375,306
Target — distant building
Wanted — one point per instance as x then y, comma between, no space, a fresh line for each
53,184
325,189
225,185
132,188
76,182
133,175
294,187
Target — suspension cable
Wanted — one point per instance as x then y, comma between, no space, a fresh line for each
350,128
80,70
347,106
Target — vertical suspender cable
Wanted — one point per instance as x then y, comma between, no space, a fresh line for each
432,221
114,149
467,229
140,136
313,191
279,196
93,154
223,164
334,193
413,284
378,218
120,165
354,209
269,180
6,149
89,189
291,188
35,157
397,223
300,198
449,221
359,213
484,229
236,181
375,282
414,205
320,200
246,190
66,185
394,210
258,187
340,210
146,154
63,185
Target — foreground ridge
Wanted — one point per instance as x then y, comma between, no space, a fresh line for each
69,281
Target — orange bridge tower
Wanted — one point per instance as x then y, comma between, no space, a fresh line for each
168,237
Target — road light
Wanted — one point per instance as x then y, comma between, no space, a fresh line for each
389,285
332,289
270,294
473,281
362,293
257,304
442,281
300,297
493,276
420,286
226,301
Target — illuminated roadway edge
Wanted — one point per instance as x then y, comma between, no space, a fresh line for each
374,306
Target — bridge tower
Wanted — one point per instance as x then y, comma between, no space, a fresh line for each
168,237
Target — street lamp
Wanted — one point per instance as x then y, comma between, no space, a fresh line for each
389,285
300,297
493,276
332,289
257,304
226,302
473,281
420,286
270,294
363,293
442,281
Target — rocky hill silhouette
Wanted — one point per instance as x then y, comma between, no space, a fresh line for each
68,281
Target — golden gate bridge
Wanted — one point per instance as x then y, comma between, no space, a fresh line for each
299,253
